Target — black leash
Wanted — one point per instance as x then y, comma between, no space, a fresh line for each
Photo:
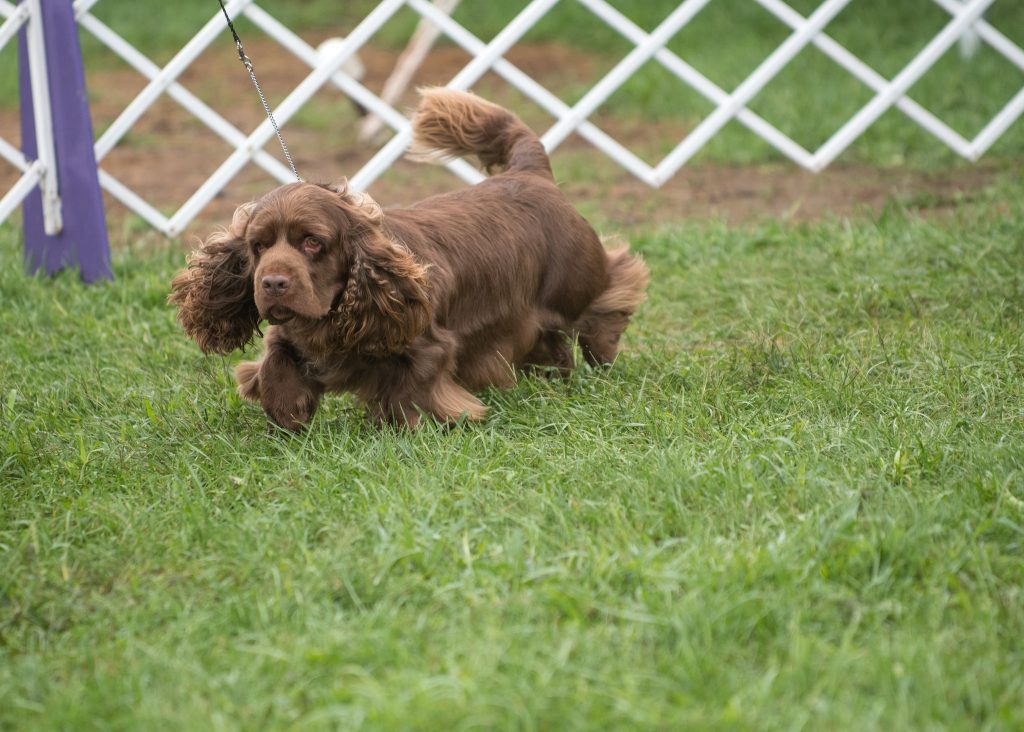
252,75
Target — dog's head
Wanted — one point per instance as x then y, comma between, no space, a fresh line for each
304,253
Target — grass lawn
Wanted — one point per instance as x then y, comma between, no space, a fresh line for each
797,500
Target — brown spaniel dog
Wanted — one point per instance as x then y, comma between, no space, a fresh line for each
412,309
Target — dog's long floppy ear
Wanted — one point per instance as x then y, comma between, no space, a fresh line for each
386,303
214,294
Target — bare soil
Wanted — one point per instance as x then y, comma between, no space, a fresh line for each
168,153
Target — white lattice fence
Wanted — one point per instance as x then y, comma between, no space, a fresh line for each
965,16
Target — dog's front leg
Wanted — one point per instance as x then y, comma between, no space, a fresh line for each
278,383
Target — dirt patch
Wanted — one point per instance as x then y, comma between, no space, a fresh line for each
744,193
168,154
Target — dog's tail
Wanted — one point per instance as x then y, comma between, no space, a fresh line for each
451,124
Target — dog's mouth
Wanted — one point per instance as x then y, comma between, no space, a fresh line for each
279,315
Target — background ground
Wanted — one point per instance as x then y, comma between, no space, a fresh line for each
797,500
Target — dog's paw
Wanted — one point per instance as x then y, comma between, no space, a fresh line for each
292,414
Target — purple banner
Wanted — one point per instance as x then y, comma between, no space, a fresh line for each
83,241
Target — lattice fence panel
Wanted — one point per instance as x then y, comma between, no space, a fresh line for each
965,18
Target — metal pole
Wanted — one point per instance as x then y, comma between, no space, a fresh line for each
46,152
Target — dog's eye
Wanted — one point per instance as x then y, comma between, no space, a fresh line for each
259,247
311,245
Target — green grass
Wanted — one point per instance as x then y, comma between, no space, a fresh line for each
809,100
797,500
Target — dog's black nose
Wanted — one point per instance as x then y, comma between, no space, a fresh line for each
274,285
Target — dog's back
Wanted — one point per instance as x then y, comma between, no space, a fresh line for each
579,287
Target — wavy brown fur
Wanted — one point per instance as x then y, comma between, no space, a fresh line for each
413,309
452,124
385,303
214,295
